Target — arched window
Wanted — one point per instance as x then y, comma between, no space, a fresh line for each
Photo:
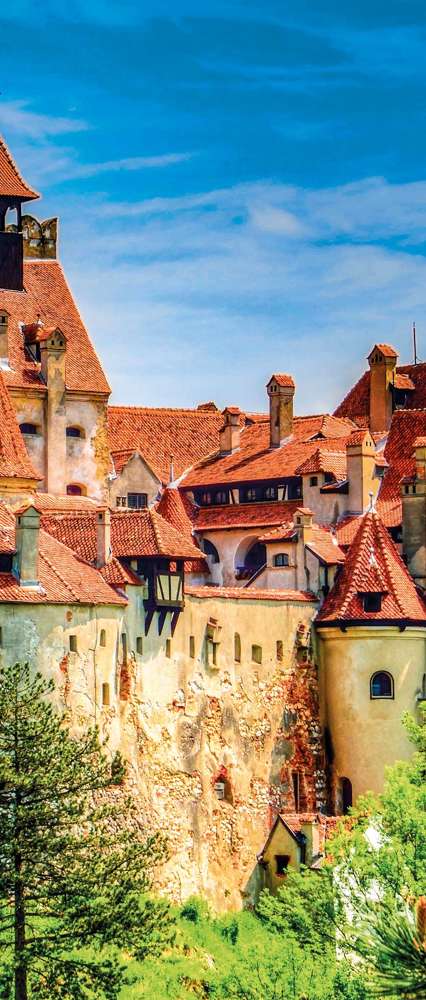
237,648
381,685
26,428
281,559
74,490
209,550
74,432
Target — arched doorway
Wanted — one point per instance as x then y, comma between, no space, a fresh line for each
254,560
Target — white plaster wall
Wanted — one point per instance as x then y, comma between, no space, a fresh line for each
135,477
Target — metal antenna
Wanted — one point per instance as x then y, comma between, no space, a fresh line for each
415,344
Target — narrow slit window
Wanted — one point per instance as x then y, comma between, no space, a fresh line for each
168,648
237,648
139,645
73,643
256,654
280,650
102,637
105,694
192,647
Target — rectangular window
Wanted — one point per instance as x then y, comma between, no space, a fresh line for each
139,645
105,694
281,863
137,500
372,602
295,778
256,654
73,643
124,646
280,652
328,477
168,648
121,501
313,481
102,637
192,647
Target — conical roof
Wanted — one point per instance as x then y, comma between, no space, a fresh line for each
12,184
373,566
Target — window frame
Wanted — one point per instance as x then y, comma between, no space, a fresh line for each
284,560
382,697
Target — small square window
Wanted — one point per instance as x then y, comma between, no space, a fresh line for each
313,481
136,501
372,602
139,645
73,643
281,863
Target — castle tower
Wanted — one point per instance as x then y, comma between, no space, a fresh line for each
280,389
14,192
372,632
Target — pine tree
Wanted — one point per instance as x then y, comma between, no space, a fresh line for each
75,867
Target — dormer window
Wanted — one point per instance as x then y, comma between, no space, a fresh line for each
372,602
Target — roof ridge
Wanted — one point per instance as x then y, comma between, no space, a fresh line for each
30,193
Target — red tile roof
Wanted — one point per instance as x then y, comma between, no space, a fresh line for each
11,181
64,579
287,381
47,294
324,545
356,405
14,458
178,510
62,503
406,426
251,594
373,565
162,435
252,515
255,460
387,350
133,533
325,461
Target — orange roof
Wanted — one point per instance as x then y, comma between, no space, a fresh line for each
251,515
251,594
373,565
14,458
406,426
255,460
325,461
403,382
356,405
141,533
177,509
11,182
324,545
47,294
287,381
386,349
64,579
162,435
62,503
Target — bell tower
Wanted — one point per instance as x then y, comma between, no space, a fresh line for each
13,193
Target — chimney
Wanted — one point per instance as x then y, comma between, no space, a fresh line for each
4,339
303,520
27,547
360,465
53,367
229,434
103,536
280,390
382,360
414,516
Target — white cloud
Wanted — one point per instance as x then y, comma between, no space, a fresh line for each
17,118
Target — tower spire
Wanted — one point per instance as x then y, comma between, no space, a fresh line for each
13,192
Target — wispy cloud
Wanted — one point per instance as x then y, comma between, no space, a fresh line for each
85,170
18,119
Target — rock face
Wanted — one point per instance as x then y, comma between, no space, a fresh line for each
216,752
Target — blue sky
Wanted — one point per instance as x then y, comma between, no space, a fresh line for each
240,190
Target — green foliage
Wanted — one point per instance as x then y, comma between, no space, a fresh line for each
397,955
195,910
75,867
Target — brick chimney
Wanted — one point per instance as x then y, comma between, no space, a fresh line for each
53,347
280,390
360,465
229,434
382,360
25,565
414,516
103,535
4,338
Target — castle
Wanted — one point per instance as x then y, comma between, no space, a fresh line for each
236,599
